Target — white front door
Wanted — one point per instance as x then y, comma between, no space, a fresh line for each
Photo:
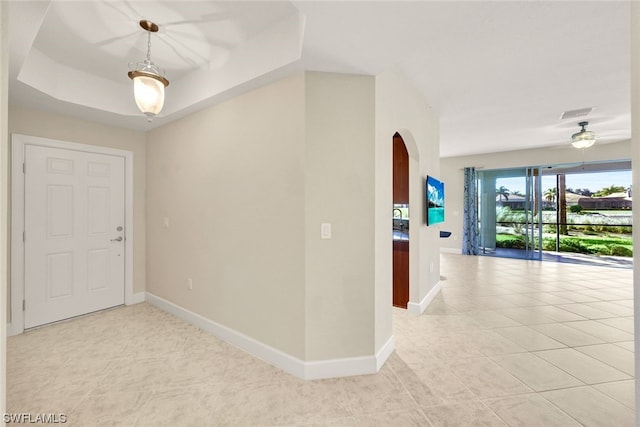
74,233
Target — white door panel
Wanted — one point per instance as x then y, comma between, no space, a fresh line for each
74,213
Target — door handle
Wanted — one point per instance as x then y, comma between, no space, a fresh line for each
117,239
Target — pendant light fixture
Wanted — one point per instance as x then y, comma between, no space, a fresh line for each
148,80
583,139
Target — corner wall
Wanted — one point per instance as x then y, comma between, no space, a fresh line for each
236,197
452,173
400,108
339,189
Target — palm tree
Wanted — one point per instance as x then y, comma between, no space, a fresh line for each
610,190
503,192
550,194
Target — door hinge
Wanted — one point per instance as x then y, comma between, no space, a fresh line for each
24,168
24,305
24,238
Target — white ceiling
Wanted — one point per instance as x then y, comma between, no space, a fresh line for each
499,74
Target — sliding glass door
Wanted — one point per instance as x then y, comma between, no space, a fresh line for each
509,212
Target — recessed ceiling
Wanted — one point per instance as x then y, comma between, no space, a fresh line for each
498,74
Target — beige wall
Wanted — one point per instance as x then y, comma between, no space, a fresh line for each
47,125
246,185
400,108
454,181
339,189
230,180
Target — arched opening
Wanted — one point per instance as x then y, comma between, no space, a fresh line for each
400,222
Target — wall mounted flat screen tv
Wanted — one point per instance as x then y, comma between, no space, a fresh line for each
435,201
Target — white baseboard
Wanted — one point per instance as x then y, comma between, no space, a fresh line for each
385,351
451,251
334,368
418,309
307,370
138,298
346,367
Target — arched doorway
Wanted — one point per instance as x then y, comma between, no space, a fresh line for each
400,222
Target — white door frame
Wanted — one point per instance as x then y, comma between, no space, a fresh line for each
18,143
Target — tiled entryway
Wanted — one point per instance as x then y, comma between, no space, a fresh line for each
507,342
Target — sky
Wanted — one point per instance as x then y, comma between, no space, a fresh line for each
594,181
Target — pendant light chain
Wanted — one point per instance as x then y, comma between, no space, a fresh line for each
149,46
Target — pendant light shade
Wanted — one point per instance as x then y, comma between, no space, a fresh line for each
148,79
583,139
148,91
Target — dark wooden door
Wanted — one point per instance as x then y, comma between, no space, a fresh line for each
400,273
400,171
400,247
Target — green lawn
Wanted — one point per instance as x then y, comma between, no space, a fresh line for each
603,232
594,245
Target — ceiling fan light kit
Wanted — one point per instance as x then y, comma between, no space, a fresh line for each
583,139
148,80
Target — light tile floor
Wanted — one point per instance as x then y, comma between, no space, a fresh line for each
506,343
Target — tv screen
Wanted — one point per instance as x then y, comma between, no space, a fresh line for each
435,201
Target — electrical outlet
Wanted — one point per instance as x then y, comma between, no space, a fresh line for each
431,267
190,284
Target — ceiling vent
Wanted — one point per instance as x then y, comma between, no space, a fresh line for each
572,114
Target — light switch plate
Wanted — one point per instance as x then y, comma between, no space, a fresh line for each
325,230
165,222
